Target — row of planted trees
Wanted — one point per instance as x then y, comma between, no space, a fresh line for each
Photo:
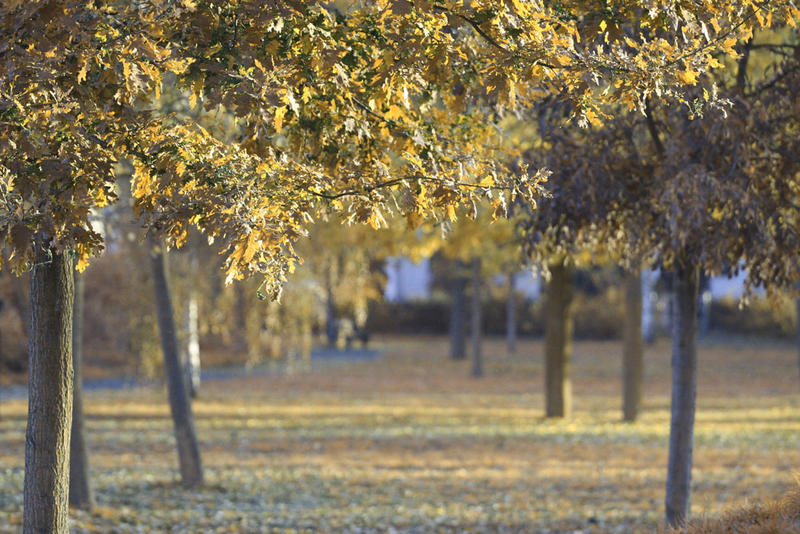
366,108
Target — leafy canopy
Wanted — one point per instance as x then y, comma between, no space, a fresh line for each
368,108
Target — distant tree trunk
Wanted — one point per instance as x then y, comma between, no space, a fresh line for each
192,361
797,304
191,326
633,348
458,337
241,319
331,329
511,316
185,437
558,341
22,302
46,487
684,391
80,490
475,325
648,307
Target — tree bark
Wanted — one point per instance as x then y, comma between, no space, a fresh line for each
797,304
186,440
475,324
684,392
46,487
191,320
458,338
511,316
648,304
331,328
80,490
558,341
192,361
633,349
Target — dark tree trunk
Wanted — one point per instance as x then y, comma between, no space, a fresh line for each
558,341
475,323
185,437
684,391
458,337
80,491
46,492
633,348
511,316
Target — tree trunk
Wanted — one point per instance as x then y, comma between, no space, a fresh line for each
648,306
46,490
240,317
80,491
684,391
475,324
511,316
191,320
458,338
633,348
185,437
558,341
331,328
192,361
797,304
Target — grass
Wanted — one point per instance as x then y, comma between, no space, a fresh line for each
411,443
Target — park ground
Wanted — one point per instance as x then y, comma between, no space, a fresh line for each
410,443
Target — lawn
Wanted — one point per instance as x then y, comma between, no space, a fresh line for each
410,443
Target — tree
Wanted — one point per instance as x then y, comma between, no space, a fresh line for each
633,349
191,468
476,324
558,340
80,489
712,192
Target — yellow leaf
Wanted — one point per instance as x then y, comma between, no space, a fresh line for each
278,122
592,117
82,72
82,263
687,76
451,212
488,181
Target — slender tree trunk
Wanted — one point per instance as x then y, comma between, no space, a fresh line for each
80,490
511,316
185,437
684,391
648,311
475,326
331,329
243,343
46,490
633,348
192,362
797,304
191,320
458,337
22,302
558,341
